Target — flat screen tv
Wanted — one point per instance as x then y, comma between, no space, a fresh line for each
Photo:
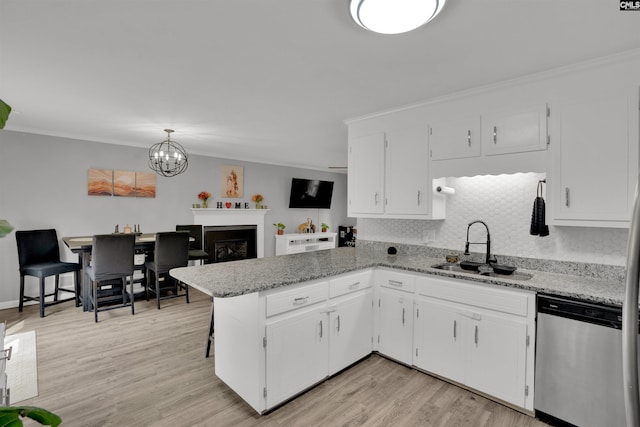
310,193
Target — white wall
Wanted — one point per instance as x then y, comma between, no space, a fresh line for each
43,184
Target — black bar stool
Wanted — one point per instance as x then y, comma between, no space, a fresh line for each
39,256
111,260
171,251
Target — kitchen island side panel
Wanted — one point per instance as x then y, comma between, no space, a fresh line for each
239,354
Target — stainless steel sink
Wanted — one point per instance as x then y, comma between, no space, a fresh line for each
456,268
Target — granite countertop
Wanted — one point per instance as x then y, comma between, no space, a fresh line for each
247,276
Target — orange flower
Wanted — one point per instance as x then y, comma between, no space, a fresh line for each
257,198
204,195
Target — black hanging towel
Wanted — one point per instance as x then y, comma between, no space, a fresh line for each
538,221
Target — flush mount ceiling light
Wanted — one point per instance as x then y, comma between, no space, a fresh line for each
394,16
168,158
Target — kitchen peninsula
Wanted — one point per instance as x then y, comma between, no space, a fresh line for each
264,309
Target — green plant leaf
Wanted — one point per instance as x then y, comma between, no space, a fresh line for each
9,416
42,416
5,110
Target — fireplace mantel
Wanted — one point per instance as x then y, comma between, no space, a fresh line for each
212,217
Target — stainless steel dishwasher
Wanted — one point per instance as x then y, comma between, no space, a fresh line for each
579,362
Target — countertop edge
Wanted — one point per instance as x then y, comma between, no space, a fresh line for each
249,276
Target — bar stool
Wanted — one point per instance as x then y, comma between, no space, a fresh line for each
196,251
39,256
171,251
112,258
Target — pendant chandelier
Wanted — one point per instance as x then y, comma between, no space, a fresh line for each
168,158
394,16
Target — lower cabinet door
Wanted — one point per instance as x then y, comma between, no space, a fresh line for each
440,340
296,354
351,331
395,311
498,357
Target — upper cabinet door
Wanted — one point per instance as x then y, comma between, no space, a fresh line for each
366,174
515,131
455,139
407,171
595,160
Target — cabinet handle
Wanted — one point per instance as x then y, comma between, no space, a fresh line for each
321,329
338,323
418,197
495,134
395,282
300,301
403,311
469,137
566,196
455,333
376,197
354,285
476,335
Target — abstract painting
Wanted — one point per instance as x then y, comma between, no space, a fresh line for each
100,182
232,181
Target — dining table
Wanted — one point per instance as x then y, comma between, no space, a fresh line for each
81,245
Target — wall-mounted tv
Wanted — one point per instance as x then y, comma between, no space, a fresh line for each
310,193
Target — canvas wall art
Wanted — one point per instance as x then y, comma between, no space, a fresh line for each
145,184
124,183
100,182
108,182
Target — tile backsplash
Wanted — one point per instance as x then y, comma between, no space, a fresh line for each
505,203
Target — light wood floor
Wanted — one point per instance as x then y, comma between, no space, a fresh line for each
150,370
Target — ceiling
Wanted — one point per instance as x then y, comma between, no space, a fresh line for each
269,80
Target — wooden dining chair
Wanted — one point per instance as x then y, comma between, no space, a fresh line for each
112,261
39,256
196,250
171,251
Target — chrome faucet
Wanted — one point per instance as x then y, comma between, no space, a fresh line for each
488,243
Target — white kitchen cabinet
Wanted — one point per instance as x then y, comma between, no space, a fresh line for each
297,354
515,130
274,344
389,169
366,174
455,138
395,314
439,340
408,186
477,336
497,356
351,329
595,159
395,337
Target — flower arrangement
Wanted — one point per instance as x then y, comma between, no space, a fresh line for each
257,198
204,196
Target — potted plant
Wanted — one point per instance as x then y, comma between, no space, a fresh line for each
280,226
324,227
